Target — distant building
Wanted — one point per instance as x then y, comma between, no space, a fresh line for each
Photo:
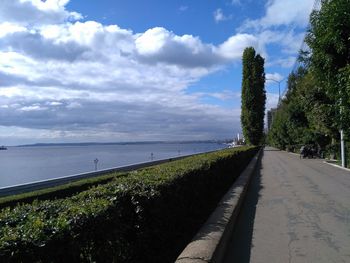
238,140
270,116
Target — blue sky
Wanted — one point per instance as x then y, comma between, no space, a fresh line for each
181,17
73,71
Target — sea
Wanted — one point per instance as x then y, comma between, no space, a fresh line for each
26,164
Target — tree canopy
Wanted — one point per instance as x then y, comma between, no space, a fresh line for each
253,97
317,102
329,60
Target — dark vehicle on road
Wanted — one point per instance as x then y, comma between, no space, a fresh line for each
308,151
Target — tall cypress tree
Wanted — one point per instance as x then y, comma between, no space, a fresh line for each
253,97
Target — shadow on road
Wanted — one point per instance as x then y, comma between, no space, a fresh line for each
241,241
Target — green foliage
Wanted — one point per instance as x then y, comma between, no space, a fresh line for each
303,116
56,192
253,97
329,41
318,98
149,215
344,105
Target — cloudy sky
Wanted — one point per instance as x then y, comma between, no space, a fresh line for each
136,70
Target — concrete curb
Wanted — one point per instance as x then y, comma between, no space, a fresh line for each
209,244
336,165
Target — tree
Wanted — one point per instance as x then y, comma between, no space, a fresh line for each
304,116
290,127
329,60
317,103
253,97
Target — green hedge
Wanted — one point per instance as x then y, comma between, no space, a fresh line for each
147,216
56,192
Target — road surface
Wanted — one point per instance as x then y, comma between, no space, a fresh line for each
295,211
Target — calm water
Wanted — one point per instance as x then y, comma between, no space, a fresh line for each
28,164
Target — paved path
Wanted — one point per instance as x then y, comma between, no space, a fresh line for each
295,211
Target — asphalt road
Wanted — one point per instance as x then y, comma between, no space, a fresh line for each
295,211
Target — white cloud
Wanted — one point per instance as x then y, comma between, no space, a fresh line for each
281,28
271,100
152,41
70,79
7,28
289,40
233,47
33,44
54,103
32,108
282,13
285,12
158,45
36,12
76,79
63,79
219,16
286,62
273,77
275,82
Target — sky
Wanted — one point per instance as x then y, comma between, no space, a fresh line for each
137,70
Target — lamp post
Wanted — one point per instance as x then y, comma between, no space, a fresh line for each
279,88
95,162
342,148
342,144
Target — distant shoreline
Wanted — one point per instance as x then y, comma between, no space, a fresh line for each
118,143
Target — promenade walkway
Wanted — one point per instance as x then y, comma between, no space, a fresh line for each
295,211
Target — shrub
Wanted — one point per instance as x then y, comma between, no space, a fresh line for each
147,216
55,192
